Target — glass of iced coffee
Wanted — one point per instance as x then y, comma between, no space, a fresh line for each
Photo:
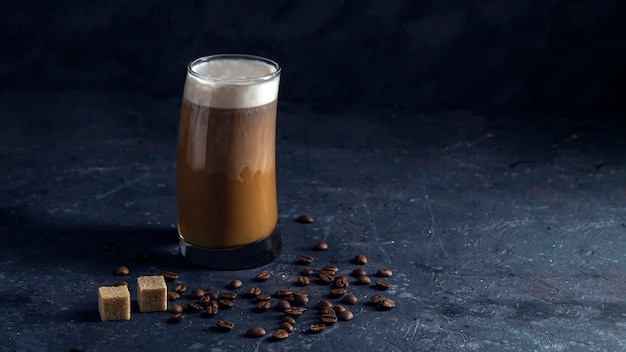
225,162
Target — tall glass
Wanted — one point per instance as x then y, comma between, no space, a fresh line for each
225,162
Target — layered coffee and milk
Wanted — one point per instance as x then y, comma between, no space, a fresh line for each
225,169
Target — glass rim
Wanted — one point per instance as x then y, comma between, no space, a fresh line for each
263,78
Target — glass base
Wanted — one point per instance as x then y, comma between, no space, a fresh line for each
249,256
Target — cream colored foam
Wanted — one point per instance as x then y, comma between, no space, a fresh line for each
232,84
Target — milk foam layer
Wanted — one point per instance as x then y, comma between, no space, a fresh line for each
231,83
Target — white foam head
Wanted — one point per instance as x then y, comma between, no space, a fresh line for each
232,81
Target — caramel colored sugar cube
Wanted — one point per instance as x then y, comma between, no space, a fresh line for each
114,303
152,293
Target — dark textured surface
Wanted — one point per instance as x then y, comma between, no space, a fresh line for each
504,233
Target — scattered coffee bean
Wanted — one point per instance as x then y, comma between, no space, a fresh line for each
363,280
286,326
282,293
177,318
338,292
305,219
325,278
329,318
172,296
196,293
211,309
331,269
193,307
327,310
253,291
225,325
228,295
234,284
176,308
341,282
288,319
346,315
321,246
300,293
324,304
303,280
306,272
226,303
280,334
139,257
316,328
384,273
213,295
294,312
339,308
305,259
300,300
349,299
382,285
110,247
359,272
264,275
385,303
360,259
376,298
263,297
180,289
204,300
282,305
263,306
255,332
169,275
121,283
122,271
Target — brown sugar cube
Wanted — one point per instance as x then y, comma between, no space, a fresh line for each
152,293
114,303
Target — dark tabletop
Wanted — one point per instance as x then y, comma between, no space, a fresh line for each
503,232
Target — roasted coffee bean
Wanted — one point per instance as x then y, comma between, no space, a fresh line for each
121,283
213,295
359,272
234,284
169,275
303,280
225,325
196,293
211,309
282,305
382,285
172,296
384,273
360,259
386,303
305,259
180,289
376,298
327,310
349,299
226,303
300,293
255,332
263,297
304,219
109,247
338,292
177,318
122,271
325,278
264,275
300,300
346,315
193,307
253,291
294,311
341,282
176,308
306,272
204,300
329,318
363,280
324,304
288,319
316,328
339,308
331,269
321,246
286,326
229,295
263,306
139,257
282,293
280,334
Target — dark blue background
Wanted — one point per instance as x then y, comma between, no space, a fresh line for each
564,57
